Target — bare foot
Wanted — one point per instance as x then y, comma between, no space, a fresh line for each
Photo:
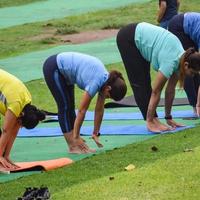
96,139
157,127
161,126
174,124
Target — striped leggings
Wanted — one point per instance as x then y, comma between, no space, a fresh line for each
62,92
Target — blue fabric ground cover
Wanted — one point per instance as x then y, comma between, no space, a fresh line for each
133,115
87,130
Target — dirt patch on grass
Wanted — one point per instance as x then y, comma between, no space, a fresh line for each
88,36
76,38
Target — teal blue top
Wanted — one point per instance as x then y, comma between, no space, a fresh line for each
159,47
88,72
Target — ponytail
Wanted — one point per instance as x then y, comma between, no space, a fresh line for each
31,116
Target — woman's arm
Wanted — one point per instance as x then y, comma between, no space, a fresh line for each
178,5
10,144
99,111
85,102
169,97
153,123
198,103
158,85
170,93
162,10
9,132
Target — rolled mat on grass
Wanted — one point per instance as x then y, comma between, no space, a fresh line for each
52,117
87,130
130,102
46,165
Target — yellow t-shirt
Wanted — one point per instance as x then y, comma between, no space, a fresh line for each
13,94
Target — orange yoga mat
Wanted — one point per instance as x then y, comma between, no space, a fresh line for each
42,165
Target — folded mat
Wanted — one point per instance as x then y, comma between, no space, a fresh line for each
130,102
87,130
127,115
41,165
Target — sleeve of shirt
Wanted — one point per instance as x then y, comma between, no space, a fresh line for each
92,88
15,108
167,69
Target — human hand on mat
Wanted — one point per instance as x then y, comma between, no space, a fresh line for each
96,139
174,124
78,146
6,164
12,163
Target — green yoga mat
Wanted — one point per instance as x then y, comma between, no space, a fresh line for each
29,66
30,149
53,9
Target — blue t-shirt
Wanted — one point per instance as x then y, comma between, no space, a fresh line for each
88,72
191,26
171,10
159,47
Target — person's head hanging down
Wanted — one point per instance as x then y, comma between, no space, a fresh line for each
31,116
61,73
15,106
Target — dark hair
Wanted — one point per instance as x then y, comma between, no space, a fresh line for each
31,116
117,84
193,59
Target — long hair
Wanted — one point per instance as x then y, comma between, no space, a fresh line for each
31,116
193,59
117,84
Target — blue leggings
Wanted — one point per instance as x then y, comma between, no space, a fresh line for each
191,84
62,92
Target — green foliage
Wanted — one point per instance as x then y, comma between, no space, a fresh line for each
49,40
66,30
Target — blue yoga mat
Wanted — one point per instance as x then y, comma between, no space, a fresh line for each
87,130
132,115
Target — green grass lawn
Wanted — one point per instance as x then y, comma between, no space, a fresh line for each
18,40
169,173
8,3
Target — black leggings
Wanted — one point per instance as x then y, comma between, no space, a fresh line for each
191,84
62,92
137,68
